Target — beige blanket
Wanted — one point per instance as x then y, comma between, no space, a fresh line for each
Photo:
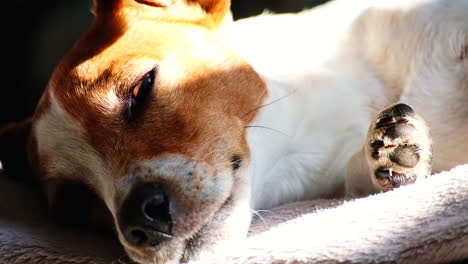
422,223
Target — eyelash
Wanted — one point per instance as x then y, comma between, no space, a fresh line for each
139,95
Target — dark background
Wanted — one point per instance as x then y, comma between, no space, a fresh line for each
36,34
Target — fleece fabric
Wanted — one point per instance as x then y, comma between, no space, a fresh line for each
421,223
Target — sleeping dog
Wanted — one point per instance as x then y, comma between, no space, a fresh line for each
170,123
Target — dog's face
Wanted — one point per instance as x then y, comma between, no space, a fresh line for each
149,110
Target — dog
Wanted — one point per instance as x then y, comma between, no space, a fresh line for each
170,123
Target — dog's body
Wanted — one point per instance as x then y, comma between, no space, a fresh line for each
333,69
210,119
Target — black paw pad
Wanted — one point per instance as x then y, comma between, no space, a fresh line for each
391,115
400,129
399,110
375,155
385,121
377,144
383,173
406,156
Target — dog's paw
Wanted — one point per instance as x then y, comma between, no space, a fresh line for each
398,148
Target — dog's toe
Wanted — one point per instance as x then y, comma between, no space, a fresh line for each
398,148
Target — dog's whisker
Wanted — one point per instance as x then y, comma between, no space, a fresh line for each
267,104
257,214
269,128
312,152
264,211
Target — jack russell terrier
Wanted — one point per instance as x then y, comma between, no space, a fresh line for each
170,123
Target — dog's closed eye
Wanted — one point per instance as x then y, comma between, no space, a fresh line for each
236,162
139,95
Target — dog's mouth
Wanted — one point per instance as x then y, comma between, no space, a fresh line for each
175,249
195,243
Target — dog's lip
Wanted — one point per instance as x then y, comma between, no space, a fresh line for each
190,245
164,234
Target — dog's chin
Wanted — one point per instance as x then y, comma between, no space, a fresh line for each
219,235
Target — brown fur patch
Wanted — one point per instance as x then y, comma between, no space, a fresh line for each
203,104
206,13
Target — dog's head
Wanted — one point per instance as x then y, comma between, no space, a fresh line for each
149,111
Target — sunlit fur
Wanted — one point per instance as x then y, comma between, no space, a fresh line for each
329,72
292,95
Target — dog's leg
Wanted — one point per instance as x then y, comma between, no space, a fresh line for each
397,151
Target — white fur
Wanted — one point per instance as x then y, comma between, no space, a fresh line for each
59,136
340,64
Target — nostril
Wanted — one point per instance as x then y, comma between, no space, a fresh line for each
156,210
152,208
137,237
145,236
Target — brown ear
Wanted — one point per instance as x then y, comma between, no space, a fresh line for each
15,140
208,13
157,3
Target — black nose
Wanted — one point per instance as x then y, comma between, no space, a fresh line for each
144,217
